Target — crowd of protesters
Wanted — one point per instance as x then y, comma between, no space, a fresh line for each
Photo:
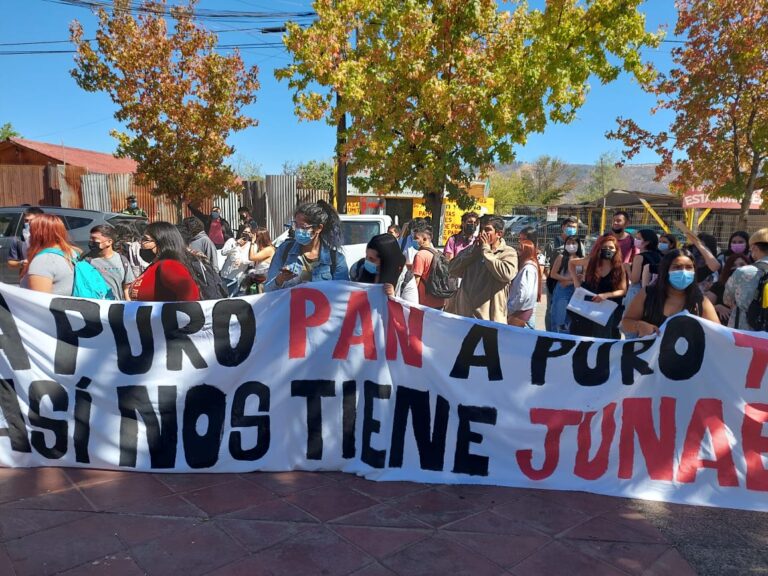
648,277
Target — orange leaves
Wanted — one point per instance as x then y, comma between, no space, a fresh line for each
179,98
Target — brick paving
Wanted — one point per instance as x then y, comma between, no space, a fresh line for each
89,522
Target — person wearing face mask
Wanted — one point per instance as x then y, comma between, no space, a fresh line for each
384,264
17,253
169,277
743,284
247,222
113,267
667,242
602,274
216,226
569,228
314,254
133,208
674,291
645,264
463,239
408,243
738,244
717,292
625,240
564,288
486,269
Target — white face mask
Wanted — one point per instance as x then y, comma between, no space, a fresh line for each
571,248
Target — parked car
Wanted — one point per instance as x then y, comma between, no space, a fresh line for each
78,222
521,223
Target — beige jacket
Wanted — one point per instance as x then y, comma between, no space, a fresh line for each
486,275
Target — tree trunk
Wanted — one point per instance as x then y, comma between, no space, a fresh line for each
433,202
746,200
178,203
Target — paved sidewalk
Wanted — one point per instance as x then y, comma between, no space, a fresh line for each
84,522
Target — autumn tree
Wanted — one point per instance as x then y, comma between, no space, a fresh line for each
440,90
718,92
547,180
178,97
605,177
7,131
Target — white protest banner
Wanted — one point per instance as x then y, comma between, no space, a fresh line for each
333,376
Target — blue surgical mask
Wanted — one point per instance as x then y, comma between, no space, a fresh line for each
681,279
302,236
663,246
215,215
26,226
571,231
133,205
370,267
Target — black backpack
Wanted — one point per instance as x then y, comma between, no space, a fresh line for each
209,282
439,283
757,313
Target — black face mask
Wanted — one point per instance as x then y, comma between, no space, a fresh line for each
469,229
147,255
94,247
607,253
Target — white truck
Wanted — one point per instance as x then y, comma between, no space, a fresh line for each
356,231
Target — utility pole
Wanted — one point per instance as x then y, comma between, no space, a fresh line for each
341,163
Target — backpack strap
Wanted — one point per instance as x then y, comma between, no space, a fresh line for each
334,250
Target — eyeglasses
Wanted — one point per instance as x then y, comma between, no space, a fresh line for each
295,227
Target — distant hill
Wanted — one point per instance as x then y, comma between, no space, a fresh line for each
637,177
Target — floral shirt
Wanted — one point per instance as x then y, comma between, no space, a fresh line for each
740,290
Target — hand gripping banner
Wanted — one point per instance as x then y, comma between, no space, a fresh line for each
335,376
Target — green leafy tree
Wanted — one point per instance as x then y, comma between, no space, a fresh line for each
246,169
507,190
718,93
547,180
177,96
312,175
7,131
605,177
440,90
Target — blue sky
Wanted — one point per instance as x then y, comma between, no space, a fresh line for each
43,103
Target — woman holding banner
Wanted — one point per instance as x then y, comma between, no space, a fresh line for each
314,253
673,292
169,278
604,276
384,263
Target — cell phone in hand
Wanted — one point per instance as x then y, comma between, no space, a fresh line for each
579,269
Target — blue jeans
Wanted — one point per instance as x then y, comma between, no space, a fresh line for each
559,316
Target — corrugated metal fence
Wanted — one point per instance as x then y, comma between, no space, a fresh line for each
272,201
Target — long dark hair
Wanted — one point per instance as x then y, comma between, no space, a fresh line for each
738,234
693,295
566,256
321,213
651,238
391,257
592,275
170,243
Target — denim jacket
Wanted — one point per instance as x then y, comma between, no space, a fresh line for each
321,272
